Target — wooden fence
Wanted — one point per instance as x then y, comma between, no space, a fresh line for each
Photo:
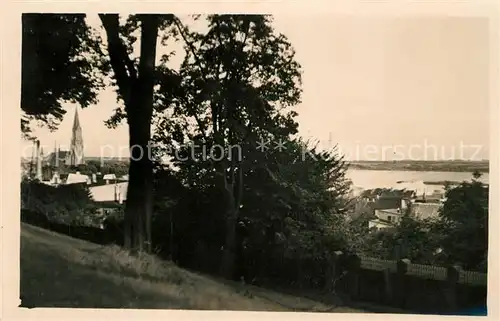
425,271
418,287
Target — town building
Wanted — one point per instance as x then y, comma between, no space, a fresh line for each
72,157
385,219
423,211
48,168
388,206
109,197
76,156
108,191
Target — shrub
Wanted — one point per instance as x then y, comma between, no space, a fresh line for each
65,204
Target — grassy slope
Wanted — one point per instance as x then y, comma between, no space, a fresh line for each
59,271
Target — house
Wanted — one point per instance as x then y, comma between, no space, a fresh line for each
434,197
380,225
418,186
372,195
386,218
110,192
423,211
57,158
389,206
76,178
109,177
388,212
67,179
56,179
109,197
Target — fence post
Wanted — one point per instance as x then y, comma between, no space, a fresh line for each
332,271
388,285
354,273
402,268
452,277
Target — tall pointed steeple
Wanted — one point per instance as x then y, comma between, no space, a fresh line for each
76,121
76,145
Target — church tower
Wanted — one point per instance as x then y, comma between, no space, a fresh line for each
75,155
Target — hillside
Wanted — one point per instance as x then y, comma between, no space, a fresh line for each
59,271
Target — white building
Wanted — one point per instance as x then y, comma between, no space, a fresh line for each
386,219
109,177
423,211
77,178
110,192
418,186
109,197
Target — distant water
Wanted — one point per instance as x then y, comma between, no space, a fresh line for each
368,179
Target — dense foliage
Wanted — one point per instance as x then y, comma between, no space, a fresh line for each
66,204
463,225
58,60
237,85
291,216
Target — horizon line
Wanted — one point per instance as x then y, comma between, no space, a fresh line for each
347,160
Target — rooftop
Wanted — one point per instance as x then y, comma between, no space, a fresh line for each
391,211
381,223
425,210
387,193
109,192
74,178
386,203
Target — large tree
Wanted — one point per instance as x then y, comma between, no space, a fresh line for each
463,224
62,61
301,203
135,81
238,81
58,65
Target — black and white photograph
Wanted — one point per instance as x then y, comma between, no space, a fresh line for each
269,162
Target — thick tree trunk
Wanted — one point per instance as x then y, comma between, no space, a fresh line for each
138,202
136,88
232,201
229,255
150,24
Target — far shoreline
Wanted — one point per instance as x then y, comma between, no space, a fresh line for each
422,166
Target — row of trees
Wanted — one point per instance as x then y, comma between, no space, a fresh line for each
237,84
119,168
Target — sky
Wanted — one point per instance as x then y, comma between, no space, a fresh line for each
380,88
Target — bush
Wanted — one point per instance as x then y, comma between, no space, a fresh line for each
65,204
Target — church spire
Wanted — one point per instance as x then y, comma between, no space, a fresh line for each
76,121
76,145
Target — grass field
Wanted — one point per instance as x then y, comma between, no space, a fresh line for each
59,271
